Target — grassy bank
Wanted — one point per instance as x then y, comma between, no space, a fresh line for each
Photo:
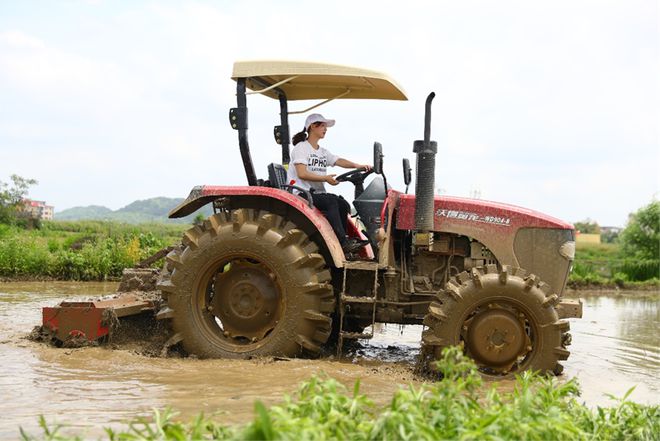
602,265
86,250
459,407
99,250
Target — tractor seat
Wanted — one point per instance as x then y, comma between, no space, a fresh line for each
278,179
276,175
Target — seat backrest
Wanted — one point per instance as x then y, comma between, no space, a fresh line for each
277,175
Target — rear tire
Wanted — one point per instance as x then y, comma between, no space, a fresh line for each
504,320
248,283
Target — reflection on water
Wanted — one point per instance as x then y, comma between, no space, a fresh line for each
615,346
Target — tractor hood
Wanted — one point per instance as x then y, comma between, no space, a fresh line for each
516,236
461,213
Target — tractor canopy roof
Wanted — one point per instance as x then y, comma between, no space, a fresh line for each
303,80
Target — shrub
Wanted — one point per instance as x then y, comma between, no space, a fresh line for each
640,243
80,250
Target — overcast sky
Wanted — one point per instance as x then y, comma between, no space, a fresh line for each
551,105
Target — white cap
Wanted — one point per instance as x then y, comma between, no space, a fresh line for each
317,117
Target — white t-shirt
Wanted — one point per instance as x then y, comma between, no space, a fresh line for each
316,160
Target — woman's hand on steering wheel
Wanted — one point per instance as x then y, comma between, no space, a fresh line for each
330,179
357,175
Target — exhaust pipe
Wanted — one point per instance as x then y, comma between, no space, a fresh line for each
425,173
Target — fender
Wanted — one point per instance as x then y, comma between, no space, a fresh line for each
205,194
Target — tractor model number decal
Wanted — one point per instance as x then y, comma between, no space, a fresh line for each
473,217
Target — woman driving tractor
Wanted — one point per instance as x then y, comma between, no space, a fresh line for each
310,162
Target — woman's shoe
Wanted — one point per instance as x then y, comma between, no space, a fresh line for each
352,245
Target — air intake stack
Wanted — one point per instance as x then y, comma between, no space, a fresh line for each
425,181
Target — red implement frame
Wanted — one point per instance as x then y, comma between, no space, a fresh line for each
90,320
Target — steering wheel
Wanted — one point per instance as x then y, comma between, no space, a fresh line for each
355,176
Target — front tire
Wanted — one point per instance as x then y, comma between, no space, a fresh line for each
248,283
504,320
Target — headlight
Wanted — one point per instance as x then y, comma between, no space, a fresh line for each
568,250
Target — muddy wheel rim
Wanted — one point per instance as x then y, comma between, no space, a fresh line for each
499,336
243,300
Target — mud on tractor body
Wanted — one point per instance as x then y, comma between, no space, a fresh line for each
265,274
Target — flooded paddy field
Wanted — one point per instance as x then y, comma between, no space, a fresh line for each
615,346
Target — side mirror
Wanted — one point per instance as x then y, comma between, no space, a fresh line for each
407,173
378,158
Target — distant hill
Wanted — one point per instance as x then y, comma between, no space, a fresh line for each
147,210
91,212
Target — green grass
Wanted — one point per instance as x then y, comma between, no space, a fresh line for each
460,407
603,264
99,250
85,250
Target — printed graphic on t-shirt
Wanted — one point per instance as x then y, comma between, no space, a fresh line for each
316,163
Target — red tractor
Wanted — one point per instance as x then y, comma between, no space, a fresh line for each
265,275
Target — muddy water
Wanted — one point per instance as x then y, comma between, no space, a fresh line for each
615,347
